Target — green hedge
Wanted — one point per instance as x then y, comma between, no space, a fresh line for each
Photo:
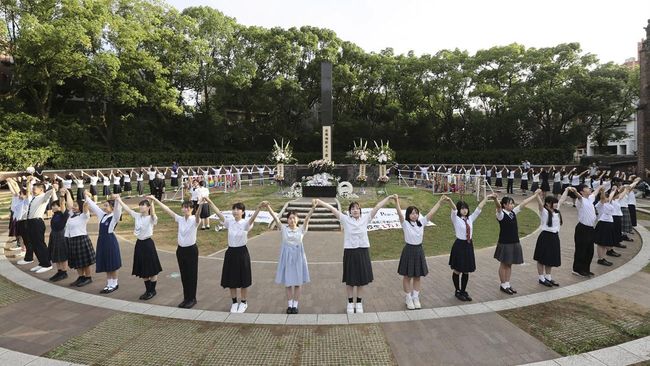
98,159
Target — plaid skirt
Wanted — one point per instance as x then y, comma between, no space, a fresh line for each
626,222
412,262
80,251
57,246
510,253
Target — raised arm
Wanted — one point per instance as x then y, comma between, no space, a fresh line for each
398,208
563,197
163,206
305,225
379,205
251,221
274,216
333,209
540,202
154,217
216,209
484,201
434,209
526,201
126,208
93,206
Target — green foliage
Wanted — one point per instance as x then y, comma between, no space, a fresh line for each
22,142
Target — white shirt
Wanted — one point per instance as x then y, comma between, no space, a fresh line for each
511,174
536,178
631,198
94,180
605,211
143,228
67,183
500,213
139,177
116,180
36,206
414,234
103,216
586,211
195,193
203,192
292,237
355,231
623,201
237,232
79,183
152,175
555,226
575,180
127,178
106,181
76,226
19,208
459,224
557,177
186,230
565,179
524,176
616,204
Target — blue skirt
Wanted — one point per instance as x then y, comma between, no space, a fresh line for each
108,257
292,266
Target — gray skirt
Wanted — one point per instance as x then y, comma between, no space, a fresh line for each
509,253
412,262
626,222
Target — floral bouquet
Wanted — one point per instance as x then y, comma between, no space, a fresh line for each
282,154
362,179
382,154
321,165
360,153
383,179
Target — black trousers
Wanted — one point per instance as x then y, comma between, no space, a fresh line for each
36,234
584,253
510,184
188,264
632,209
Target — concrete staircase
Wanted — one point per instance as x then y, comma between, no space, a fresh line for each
321,220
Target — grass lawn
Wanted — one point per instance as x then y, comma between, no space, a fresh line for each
582,323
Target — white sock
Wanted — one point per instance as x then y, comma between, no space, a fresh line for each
548,277
295,303
508,283
407,295
504,284
542,278
290,303
415,293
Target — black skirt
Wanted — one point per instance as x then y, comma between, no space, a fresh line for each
106,190
564,187
57,246
128,187
604,235
547,249
557,188
205,212
93,190
174,181
462,257
117,189
357,268
632,209
618,226
81,197
195,206
534,186
412,262
545,186
488,180
236,272
499,183
80,251
12,227
145,259
524,184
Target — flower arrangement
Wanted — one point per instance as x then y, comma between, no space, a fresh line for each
360,153
321,180
382,154
282,154
279,178
321,165
362,178
383,179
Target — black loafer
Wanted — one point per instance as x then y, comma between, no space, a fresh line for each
506,290
79,279
112,289
619,245
142,297
147,295
604,262
612,253
513,290
190,304
466,295
545,283
591,274
183,305
553,283
84,282
459,296
289,310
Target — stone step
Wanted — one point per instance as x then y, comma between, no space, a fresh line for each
321,227
307,209
332,221
303,214
307,203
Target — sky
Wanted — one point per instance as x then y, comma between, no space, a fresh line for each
609,29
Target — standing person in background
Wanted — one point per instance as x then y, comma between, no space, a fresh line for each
37,200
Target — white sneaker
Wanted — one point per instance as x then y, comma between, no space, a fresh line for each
23,262
242,307
416,303
233,307
409,302
15,248
44,269
34,269
359,308
350,308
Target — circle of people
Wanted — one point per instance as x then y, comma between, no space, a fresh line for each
606,215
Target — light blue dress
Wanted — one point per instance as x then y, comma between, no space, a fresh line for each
292,264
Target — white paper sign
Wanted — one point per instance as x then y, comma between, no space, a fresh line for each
263,216
386,218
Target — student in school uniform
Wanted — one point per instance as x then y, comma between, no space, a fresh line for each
236,272
557,181
357,267
56,245
106,186
575,181
81,254
93,183
565,180
624,200
544,177
499,179
37,199
547,249
128,187
524,182
604,233
461,259
108,257
139,178
617,215
584,234
146,264
204,192
631,204
19,206
412,262
511,180
292,271
79,184
535,185
174,177
488,174
187,253
508,250
151,175
117,179
194,195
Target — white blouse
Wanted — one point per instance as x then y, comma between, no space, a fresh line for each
586,211
76,225
575,180
414,234
106,181
555,223
237,232
616,204
557,177
459,224
103,216
94,180
605,211
127,178
631,198
499,174
67,183
151,174
355,231
79,183
143,228
116,180
186,230
19,208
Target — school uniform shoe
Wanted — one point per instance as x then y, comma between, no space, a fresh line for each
289,310
23,262
545,283
552,282
409,302
619,245
604,262
34,269
60,275
107,289
467,297
459,296
358,308
612,253
242,307
234,307
580,274
294,310
77,281
43,269
190,304
416,303
84,281
627,238
148,295
350,308
591,274
507,290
